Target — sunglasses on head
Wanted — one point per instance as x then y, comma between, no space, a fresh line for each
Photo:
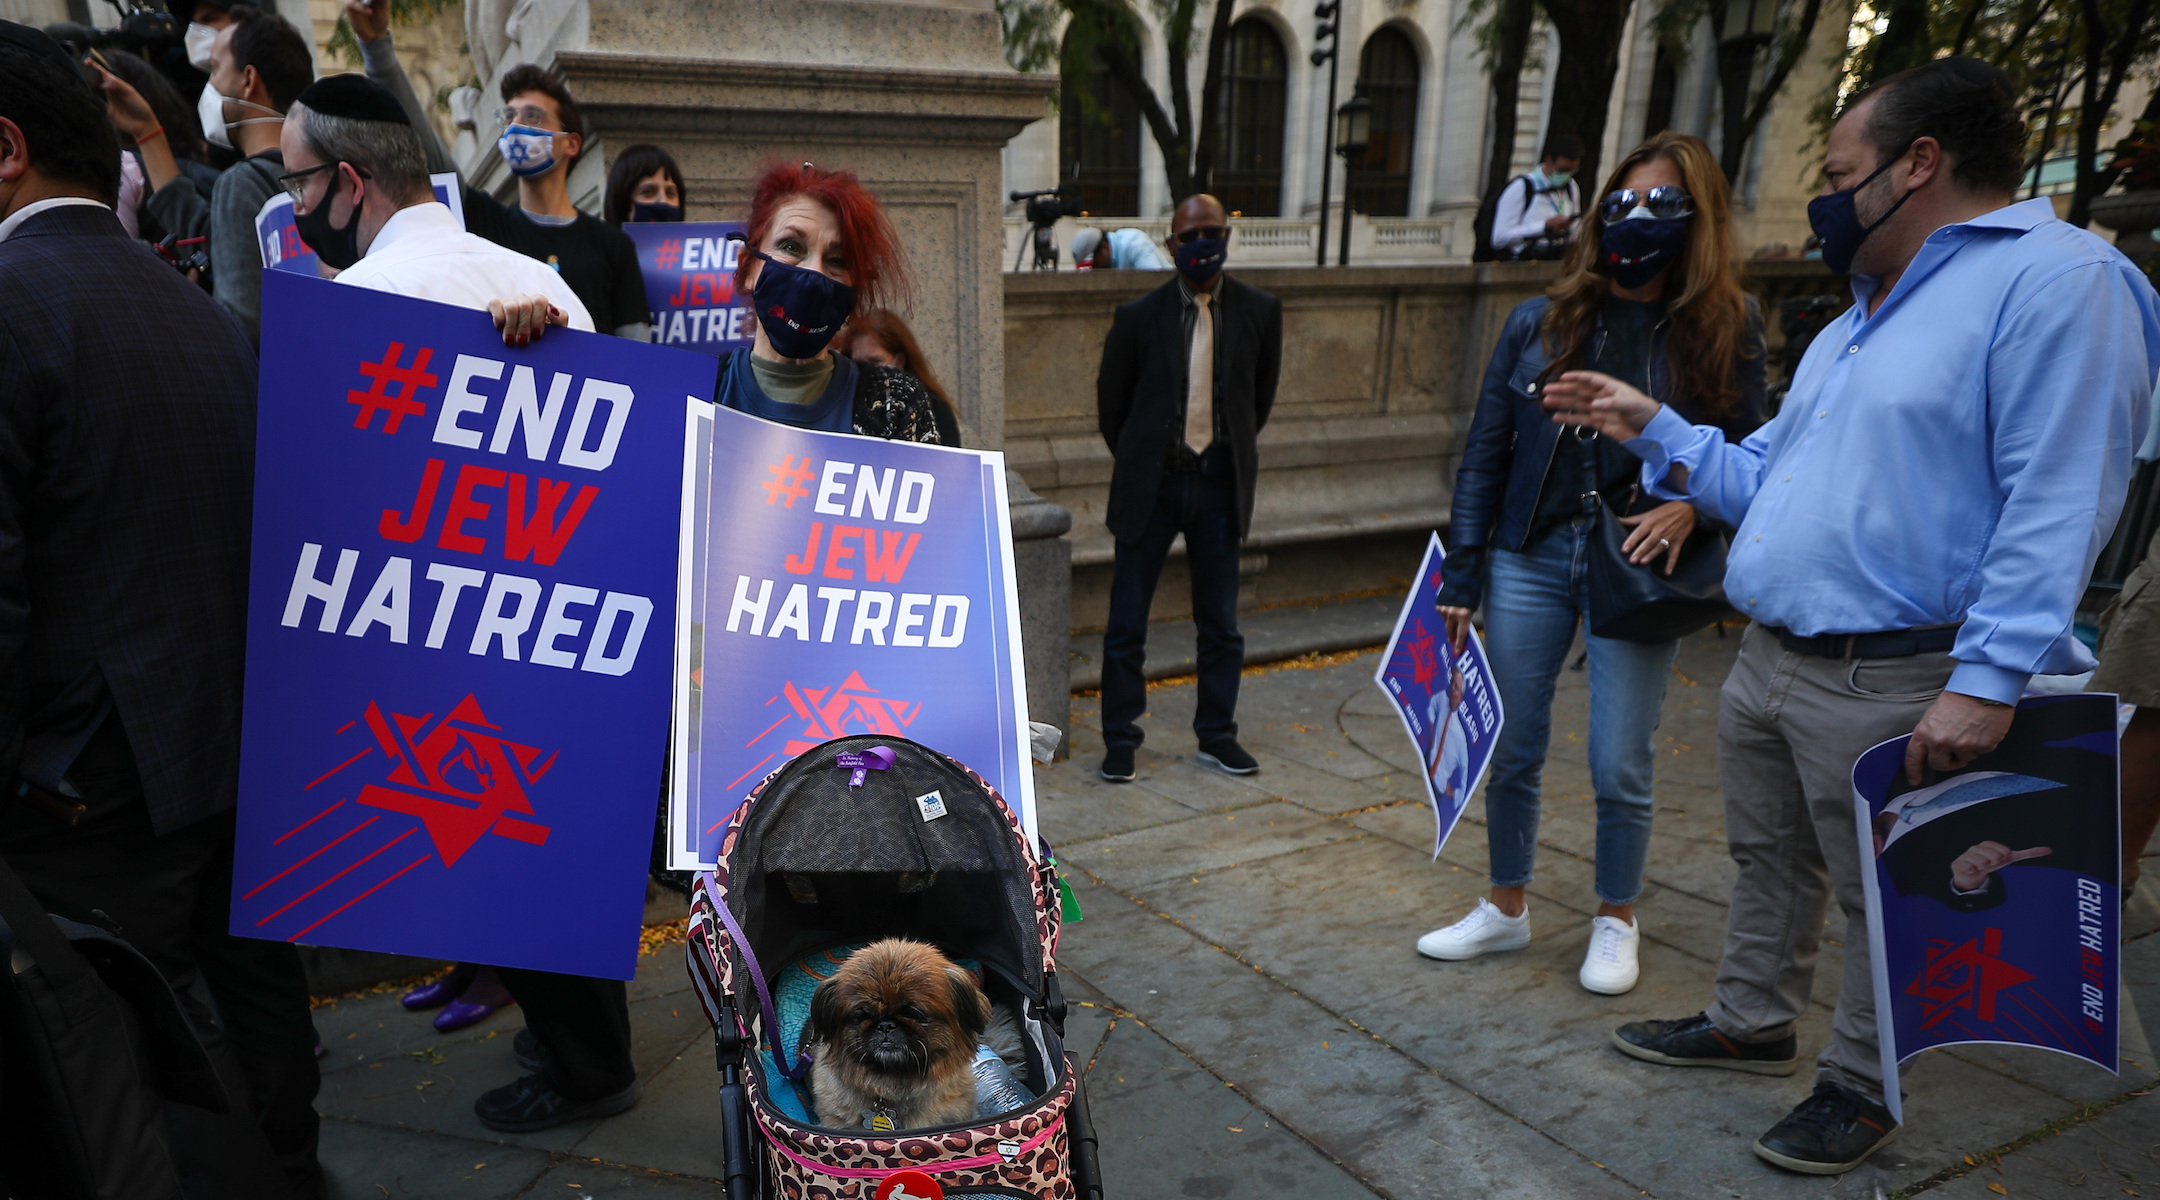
1186,237
1663,203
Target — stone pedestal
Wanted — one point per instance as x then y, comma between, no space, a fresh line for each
1042,566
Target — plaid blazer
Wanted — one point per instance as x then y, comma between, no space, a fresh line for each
127,458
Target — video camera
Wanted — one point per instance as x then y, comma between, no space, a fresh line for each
1044,209
151,33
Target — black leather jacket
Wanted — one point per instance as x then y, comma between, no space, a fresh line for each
1507,457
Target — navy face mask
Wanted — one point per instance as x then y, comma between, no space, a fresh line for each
1635,249
642,211
1835,219
1201,259
800,310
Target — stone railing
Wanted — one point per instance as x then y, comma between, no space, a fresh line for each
1286,241
1381,367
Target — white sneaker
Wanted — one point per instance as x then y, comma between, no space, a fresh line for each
1609,966
1485,930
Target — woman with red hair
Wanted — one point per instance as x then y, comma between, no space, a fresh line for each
816,243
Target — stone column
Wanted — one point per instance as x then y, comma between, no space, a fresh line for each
1042,565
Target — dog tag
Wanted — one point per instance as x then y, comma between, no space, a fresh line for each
932,805
909,1185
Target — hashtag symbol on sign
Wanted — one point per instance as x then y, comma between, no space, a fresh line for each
787,480
668,254
378,398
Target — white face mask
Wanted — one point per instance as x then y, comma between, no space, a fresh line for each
210,110
199,39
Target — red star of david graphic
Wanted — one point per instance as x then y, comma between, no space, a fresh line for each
461,778
853,707
1424,665
1964,977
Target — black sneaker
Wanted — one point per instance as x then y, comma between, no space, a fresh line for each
1695,1042
532,1104
1830,1133
1227,756
1117,764
530,1053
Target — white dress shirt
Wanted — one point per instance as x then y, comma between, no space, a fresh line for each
27,211
424,253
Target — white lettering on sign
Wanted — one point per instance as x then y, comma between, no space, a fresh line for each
522,411
913,619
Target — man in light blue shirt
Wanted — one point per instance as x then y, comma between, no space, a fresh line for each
1915,529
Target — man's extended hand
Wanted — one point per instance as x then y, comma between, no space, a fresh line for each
370,22
1969,871
1956,730
1600,402
522,319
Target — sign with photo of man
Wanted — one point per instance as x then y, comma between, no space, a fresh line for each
1448,702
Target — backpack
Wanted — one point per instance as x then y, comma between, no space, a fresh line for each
1481,225
92,1042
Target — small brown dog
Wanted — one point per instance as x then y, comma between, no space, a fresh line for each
892,1036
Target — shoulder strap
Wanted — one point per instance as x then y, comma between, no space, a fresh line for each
34,931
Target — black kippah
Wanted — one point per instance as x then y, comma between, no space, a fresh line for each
353,96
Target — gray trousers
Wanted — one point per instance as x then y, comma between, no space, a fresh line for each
1789,728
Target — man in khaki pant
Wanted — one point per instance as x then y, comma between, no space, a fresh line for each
1915,529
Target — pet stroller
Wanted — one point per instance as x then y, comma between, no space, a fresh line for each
823,856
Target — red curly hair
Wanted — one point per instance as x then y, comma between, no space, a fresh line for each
876,265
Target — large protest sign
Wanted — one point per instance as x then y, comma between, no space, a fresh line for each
690,284
1994,904
1448,702
279,235
848,585
459,606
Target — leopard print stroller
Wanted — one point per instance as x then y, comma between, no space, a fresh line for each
842,846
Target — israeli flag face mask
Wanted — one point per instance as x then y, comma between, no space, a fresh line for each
527,150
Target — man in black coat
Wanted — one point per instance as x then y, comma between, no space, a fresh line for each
1188,377
127,445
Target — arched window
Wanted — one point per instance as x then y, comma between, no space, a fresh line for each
1256,73
1388,77
1098,138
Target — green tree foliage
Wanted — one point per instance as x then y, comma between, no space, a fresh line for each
1070,34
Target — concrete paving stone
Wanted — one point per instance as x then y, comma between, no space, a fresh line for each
664,972
1081,806
605,1181
1183,779
1382,737
1404,1131
368,1162
1325,791
1168,1128
2114,1154
1087,1019
675,1126
1204,843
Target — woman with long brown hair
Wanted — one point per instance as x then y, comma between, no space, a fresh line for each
1650,294
879,335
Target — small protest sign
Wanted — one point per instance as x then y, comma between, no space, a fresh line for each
846,585
1448,702
690,284
460,596
1993,898
279,236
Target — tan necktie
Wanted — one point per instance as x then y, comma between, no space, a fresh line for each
1200,379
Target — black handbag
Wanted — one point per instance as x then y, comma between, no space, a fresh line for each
1642,603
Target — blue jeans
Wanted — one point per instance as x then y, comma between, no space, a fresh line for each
1533,600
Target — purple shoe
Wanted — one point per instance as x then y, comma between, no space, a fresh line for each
459,1014
440,992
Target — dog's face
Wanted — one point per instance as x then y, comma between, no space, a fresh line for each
899,1010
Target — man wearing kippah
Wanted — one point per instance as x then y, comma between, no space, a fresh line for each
363,203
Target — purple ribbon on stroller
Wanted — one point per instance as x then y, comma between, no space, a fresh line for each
800,1068
862,762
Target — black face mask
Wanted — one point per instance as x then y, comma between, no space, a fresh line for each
642,211
338,248
1637,248
799,309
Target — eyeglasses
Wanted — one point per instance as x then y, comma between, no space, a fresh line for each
295,182
531,114
1186,237
1663,203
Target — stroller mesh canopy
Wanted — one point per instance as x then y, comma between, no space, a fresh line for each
820,862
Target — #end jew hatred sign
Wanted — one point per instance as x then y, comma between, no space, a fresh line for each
690,284
1448,702
842,585
460,600
278,234
1994,902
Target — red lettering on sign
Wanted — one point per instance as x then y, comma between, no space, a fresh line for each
540,535
409,529
889,566
464,508
800,564
839,552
